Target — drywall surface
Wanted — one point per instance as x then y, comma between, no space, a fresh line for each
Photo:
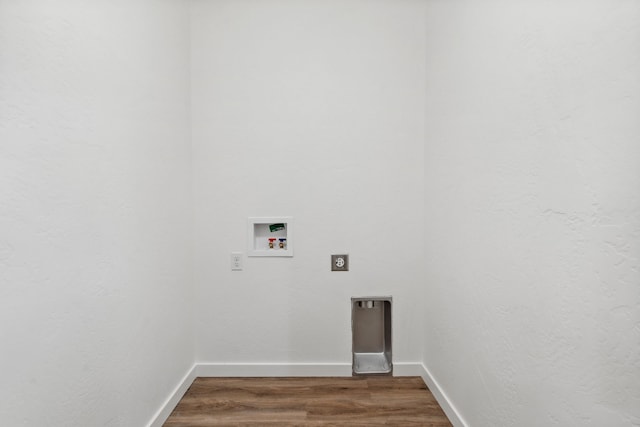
313,110
532,236
95,219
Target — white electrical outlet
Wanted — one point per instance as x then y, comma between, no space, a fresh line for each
236,261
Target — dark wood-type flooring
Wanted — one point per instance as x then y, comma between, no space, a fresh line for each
323,401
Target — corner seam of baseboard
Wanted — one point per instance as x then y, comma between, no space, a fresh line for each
445,403
172,401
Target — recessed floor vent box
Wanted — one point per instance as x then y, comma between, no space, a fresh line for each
371,329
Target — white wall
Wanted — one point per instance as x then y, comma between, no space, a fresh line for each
311,109
532,179
95,211
524,186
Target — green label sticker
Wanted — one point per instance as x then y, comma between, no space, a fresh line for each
276,227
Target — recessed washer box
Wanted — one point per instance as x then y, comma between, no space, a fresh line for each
270,236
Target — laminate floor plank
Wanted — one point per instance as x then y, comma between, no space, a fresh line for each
322,401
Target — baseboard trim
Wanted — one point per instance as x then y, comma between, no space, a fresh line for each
442,398
407,369
172,401
273,369
400,369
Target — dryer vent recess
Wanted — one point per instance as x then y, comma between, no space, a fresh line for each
371,331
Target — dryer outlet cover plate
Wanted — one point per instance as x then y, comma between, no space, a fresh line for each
340,262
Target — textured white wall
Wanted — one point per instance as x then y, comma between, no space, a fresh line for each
532,173
312,109
95,217
531,213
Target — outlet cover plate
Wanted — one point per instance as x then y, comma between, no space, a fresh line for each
340,262
236,261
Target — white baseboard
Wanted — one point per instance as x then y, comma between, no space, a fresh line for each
273,369
400,369
172,401
446,405
407,369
